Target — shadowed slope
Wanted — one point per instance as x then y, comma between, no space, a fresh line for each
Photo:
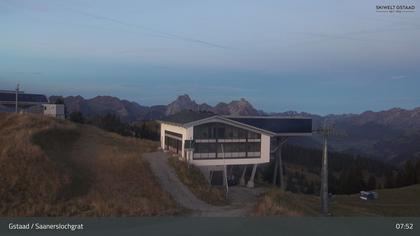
56,168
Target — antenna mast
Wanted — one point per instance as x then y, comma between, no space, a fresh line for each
17,95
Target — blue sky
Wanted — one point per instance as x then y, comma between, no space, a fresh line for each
320,57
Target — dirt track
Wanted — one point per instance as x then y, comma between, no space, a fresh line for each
241,199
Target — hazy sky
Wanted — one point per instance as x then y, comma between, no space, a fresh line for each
314,56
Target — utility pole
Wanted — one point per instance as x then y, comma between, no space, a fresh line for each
17,100
324,179
325,132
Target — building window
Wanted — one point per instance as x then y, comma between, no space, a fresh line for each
213,132
201,132
229,132
253,147
221,132
253,135
219,140
205,148
242,134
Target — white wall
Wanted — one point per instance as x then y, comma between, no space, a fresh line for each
265,148
175,129
54,110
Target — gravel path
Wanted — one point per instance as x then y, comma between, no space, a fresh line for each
184,197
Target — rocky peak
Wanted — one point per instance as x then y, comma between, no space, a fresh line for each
238,107
242,108
182,102
183,98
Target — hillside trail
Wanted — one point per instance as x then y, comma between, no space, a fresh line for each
241,199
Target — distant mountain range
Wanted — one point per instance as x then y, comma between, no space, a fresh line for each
132,111
392,135
184,102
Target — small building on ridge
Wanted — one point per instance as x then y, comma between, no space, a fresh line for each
29,103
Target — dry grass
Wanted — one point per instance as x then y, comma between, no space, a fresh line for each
56,168
403,202
280,203
196,182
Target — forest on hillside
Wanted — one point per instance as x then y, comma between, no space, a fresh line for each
347,173
112,123
302,166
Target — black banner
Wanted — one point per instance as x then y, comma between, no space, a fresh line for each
211,226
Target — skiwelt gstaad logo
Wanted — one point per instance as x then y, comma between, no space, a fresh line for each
396,8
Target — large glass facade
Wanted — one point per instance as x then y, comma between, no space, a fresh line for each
222,131
218,140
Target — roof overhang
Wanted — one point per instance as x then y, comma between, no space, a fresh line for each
170,123
222,119
226,120
299,132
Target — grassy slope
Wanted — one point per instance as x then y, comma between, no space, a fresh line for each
196,182
56,168
392,202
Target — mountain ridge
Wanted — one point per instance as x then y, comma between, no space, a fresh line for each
235,107
130,111
390,135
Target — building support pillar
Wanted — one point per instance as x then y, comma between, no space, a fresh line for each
280,162
188,157
278,165
251,183
225,182
242,179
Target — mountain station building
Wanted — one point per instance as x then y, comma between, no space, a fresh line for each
212,142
